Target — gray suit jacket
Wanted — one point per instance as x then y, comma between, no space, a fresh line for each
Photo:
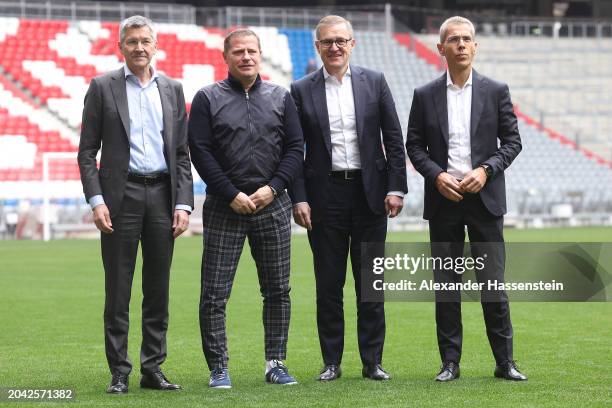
106,126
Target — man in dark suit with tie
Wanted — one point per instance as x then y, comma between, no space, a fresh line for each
142,192
352,180
455,124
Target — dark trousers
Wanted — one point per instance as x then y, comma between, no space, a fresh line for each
145,217
225,231
346,223
448,226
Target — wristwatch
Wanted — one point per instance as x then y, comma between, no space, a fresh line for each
273,190
487,170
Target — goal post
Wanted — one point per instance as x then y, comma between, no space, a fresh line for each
60,179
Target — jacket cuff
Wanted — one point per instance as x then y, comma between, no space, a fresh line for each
230,192
277,184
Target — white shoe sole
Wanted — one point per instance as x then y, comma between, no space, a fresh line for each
290,383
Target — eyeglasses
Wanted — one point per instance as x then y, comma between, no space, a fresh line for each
456,39
133,43
340,42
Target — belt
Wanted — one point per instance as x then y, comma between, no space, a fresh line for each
148,179
345,174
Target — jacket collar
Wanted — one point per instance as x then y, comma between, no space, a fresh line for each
235,83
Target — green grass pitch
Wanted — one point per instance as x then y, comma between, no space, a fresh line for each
51,301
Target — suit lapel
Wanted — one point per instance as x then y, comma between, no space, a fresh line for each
357,79
441,104
120,95
319,101
166,102
479,90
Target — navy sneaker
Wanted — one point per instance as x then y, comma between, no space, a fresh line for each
219,378
279,374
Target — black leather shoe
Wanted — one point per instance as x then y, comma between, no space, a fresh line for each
330,372
118,385
448,372
157,381
509,371
375,372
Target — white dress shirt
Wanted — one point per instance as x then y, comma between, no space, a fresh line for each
459,103
342,122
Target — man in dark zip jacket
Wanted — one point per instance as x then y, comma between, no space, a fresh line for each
246,143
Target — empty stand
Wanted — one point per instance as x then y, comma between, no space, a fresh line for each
46,67
301,44
25,132
551,169
564,82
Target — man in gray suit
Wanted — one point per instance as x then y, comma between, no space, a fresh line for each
142,192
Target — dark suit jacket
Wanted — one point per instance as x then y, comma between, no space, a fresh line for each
492,119
382,170
106,124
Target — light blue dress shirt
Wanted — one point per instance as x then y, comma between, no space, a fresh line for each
146,127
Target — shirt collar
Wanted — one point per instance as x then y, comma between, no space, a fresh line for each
128,72
449,81
326,74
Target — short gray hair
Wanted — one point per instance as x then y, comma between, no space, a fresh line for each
454,21
333,20
241,32
136,22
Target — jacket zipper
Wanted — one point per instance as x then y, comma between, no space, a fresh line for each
246,94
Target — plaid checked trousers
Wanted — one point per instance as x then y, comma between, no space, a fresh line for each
269,234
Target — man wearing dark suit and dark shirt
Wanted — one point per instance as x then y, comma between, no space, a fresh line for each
246,144
142,192
352,180
455,124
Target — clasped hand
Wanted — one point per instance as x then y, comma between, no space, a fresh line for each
454,189
244,204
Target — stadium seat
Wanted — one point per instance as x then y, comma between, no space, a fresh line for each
48,65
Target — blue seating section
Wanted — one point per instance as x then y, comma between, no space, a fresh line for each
301,44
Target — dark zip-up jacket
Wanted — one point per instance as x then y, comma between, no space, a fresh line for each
240,141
